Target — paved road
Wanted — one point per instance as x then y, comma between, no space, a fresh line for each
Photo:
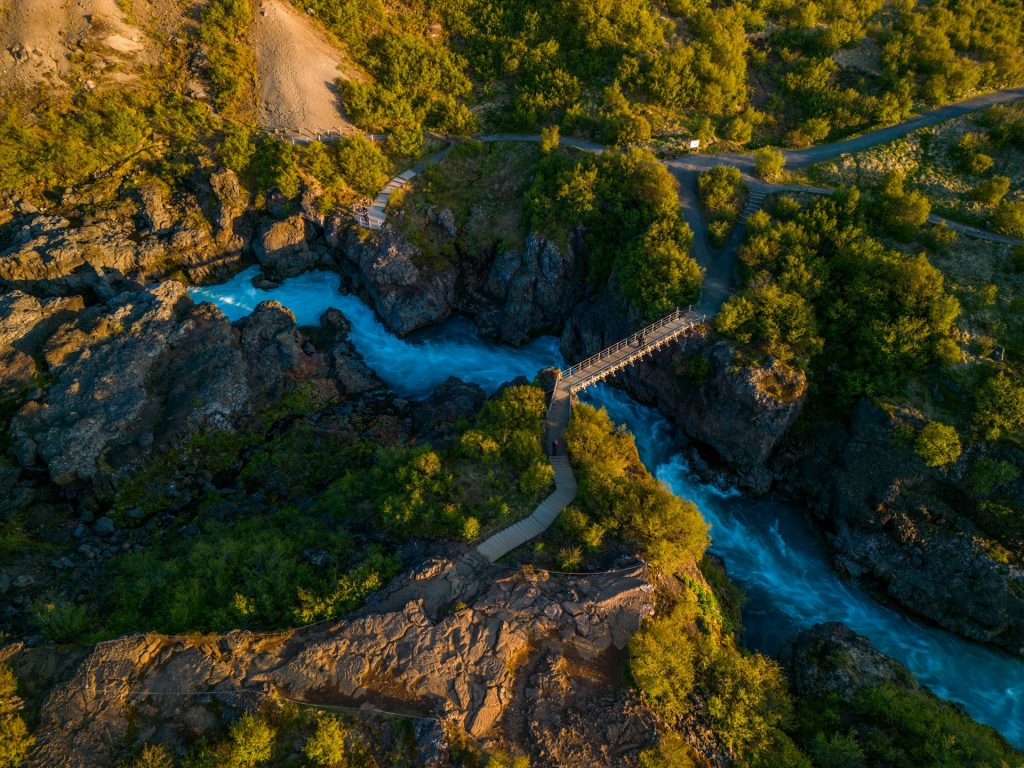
800,158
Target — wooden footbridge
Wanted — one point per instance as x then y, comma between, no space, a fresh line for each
571,381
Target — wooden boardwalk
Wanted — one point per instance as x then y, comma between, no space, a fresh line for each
571,381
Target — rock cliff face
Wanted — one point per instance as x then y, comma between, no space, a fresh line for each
475,666
833,659
893,523
146,237
140,373
513,294
740,410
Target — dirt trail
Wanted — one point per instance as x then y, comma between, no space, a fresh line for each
297,67
37,37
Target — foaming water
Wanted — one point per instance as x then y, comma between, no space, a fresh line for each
769,547
776,556
414,366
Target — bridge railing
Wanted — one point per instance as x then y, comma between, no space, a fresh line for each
677,314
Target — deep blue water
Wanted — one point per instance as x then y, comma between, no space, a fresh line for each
768,545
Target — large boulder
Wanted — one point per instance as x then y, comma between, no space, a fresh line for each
831,658
283,247
274,352
406,295
345,365
452,401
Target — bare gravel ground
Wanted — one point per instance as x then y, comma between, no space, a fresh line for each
38,39
298,67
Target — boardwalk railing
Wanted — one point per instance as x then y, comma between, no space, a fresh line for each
631,341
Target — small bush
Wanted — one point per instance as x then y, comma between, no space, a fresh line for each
902,212
999,409
991,191
549,138
59,620
154,756
769,164
15,739
335,745
937,444
1009,218
252,742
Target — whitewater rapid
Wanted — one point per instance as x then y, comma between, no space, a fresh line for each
770,549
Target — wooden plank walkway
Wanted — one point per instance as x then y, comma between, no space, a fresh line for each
626,352
517,534
572,380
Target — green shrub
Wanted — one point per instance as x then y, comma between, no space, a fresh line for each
223,28
769,164
628,205
15,739
826,296
841,750
991,191
335,745
662,662
1009,218
912,728
671,751
154,756
502,759
549,138
988,475
999,408
937,444
252,742
902,212
747,698
59,620
621,496
722,194
363,165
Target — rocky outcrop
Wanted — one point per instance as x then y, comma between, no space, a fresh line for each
142,372
512,293
452,401
287,248
25,323
147,236
529,291
345,366
740,409
406,296
465,649
227,209
900,528
831,658
131,377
